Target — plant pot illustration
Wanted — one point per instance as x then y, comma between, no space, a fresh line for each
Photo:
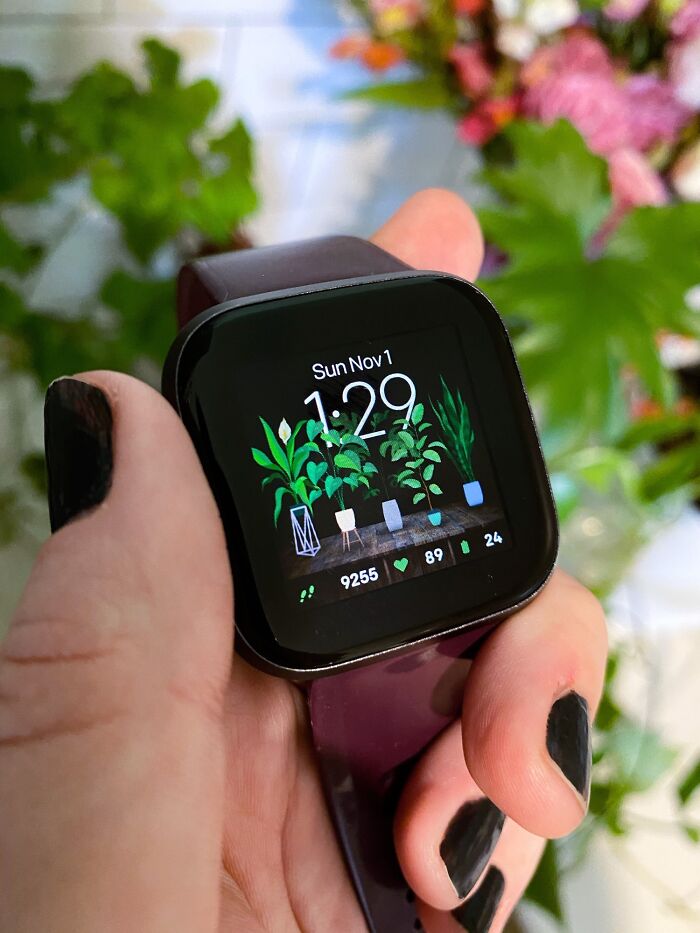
473,493
435,517
392,515
306,543
346,522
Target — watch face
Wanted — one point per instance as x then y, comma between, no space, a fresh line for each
375,463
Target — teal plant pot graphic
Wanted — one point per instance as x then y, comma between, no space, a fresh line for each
473,493
435,517
392,515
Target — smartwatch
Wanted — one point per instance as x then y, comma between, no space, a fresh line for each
366,434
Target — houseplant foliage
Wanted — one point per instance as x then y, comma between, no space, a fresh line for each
586,113
147,153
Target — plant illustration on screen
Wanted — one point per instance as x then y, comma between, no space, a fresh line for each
457,430
409,444
292,472
348,467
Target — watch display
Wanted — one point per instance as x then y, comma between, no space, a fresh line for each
374,460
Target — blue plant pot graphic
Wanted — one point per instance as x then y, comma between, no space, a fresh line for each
392,515
473,493
435,517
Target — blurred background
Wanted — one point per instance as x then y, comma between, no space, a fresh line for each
137,134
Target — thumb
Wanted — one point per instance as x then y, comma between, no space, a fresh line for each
112,677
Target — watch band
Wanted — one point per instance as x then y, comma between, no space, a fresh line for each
370,723
226,276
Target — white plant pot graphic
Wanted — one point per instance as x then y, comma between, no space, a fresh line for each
473,493
346,522
392,515
306,543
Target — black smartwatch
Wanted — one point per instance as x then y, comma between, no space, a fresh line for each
365,431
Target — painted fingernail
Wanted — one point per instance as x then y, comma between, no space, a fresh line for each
469,842
78,444
476,914
569,740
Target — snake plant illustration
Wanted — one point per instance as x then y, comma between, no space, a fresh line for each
409,444
292,472
455,423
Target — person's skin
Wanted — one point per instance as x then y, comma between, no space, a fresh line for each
151,782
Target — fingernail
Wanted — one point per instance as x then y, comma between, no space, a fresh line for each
469,842
476,914
569,740
78,444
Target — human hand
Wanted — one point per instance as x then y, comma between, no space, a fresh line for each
148,784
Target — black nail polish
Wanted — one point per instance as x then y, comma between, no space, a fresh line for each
569,740
476,914
78,444
469,841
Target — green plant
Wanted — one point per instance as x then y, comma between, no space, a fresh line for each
148,154
286,462
347,459
457,430
409,442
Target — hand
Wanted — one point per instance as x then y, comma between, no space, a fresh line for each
147,784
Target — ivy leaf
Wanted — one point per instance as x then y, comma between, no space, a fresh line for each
162,62
544,886
567,291
332,485
689,784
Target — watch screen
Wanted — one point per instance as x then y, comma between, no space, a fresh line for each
374,460
372,465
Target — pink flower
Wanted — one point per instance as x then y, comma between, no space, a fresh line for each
633,181
685,174
473,72
594,103
578,51
686,23
655,113
684,70
624,10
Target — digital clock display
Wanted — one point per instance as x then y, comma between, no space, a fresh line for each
372,466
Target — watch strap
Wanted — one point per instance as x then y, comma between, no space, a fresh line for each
212,280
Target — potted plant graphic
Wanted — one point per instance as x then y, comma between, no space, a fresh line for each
292,473
390,507
452,414
348,467
409,442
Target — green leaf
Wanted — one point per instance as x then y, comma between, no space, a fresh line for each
692,832
15,256
414,464
619,293
347,461
689,784
411,483
407,439
313,429
332,485
369,469
419,496
639,755
429,93
276,448
545,884
315,471
33,468
146,323
263,460
435,489
417,414
163,63
428,472
280,493
433,455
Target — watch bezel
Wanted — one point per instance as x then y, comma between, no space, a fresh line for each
248,602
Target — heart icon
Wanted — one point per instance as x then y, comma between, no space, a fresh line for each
401,564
